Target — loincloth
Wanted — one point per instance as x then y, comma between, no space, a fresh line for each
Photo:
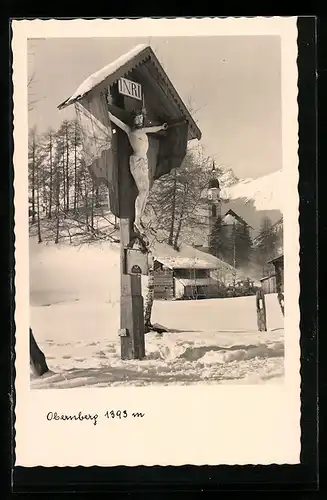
139,168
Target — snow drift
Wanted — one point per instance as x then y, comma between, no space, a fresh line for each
74,313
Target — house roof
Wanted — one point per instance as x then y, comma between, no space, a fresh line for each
142,60
185,263
277,225
265,278
196,281
275,259
230,214
187,257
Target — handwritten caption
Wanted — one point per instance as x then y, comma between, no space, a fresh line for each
94,417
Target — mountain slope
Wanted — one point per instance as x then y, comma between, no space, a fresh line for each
264,191
228,178
253,199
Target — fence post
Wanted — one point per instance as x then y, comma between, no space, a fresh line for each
280,297
261,311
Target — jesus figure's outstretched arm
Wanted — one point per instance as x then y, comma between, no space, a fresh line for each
119,123
154,129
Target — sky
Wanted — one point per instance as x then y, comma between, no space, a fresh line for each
233,84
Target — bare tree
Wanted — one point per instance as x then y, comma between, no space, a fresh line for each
92,206
76,144
176,197
67,165
173,207
36,174
32,171
38,186
57,187
31,99
50,174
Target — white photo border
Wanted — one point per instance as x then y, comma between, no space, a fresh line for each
198,425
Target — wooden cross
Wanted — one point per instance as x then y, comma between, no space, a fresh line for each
131,300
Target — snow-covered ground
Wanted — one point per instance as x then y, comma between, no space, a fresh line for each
74,296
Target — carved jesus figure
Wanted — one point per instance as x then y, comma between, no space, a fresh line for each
138,161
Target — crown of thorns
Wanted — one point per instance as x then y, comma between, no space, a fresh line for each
138,113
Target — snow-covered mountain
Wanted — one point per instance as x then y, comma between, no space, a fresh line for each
253,199
228,178
265,192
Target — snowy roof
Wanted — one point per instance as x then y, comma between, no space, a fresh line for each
268,277
279,257
187,257
185,263
196,281
138,59
229,274
275,228
231,216
229,219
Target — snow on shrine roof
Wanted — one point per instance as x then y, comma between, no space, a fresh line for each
129,61
99,76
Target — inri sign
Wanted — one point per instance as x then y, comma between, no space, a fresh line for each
129,88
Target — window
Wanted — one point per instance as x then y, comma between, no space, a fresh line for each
192,273
214,211
202,273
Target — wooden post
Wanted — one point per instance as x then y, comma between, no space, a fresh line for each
261,311
131,303
280,285
280,297
37,358
150,294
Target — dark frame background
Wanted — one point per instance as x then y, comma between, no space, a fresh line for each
303,477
